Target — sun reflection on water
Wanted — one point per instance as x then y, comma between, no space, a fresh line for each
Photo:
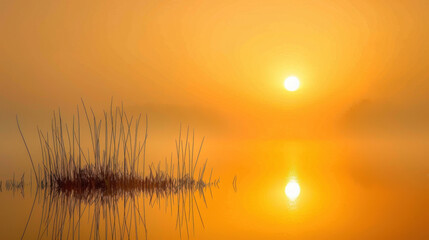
292,190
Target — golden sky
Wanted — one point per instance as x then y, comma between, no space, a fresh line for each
219,63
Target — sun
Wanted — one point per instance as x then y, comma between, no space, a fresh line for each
291,83
292,190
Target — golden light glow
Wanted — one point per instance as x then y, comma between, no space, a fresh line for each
291,83
292,190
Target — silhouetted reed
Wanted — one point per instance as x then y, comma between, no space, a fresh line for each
116,159
14,185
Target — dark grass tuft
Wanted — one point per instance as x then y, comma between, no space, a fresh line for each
116,159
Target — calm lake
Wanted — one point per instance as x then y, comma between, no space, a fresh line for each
347,190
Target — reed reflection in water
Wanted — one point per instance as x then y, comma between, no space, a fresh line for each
122,215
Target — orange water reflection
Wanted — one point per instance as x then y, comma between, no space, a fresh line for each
347,192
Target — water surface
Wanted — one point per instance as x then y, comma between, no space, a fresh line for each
348,191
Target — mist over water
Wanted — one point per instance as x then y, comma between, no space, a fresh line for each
354,136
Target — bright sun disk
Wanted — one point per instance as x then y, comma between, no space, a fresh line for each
291,83
292,190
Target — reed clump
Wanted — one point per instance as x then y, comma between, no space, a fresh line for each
115,161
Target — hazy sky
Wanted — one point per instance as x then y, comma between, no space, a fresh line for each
219,64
